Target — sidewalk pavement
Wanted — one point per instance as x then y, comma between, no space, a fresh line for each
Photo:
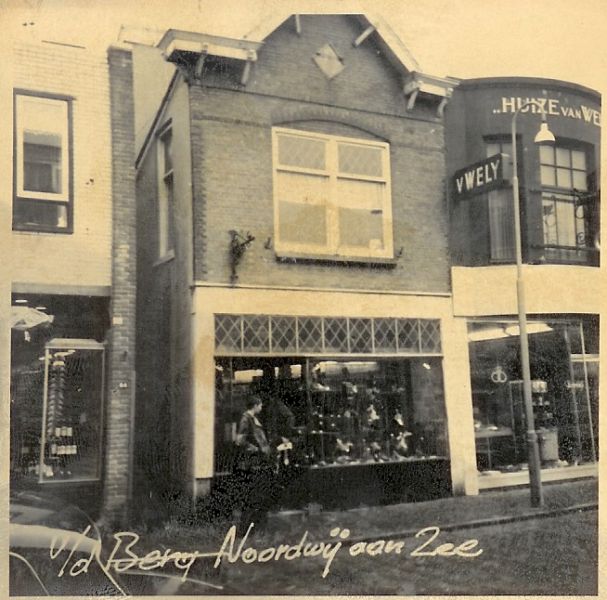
400,520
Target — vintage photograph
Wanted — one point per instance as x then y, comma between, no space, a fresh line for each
305,298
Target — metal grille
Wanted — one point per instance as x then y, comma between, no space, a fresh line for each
265,334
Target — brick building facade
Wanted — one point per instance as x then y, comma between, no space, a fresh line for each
72,274
318,137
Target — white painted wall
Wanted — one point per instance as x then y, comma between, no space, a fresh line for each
82,258
554,289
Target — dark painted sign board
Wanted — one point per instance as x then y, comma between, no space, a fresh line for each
483,176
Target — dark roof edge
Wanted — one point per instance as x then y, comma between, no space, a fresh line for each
487,82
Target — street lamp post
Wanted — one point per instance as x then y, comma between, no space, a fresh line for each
544,136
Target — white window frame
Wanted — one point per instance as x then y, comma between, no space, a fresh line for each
555,194
331,172
165,180
64,131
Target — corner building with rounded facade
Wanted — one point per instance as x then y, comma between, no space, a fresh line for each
559,187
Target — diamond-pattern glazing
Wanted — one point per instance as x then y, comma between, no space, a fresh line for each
227,333
243,334
408,338
283,334
336,335
361,336
385,335
310,334
255,333
430,335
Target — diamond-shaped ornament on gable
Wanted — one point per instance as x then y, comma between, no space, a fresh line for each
328,61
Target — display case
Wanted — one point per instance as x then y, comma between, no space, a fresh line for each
359,431
71,436
336,413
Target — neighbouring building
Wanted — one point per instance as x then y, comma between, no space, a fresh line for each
560,208
293,243
73,292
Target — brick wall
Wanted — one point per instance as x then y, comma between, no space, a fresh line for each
232,165
121,363
83,257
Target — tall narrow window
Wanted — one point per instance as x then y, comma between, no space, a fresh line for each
331,195
565,208
165,195
501,218
42,163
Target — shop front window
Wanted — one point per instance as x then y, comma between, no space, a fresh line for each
564,394
57,388
334,412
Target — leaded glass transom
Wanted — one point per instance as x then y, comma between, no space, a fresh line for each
361,336
336,335
228,333
408,335
291,335
284,334
255,333
310,334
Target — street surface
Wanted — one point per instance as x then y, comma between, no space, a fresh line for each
555,555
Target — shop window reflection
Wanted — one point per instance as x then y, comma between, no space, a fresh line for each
564,402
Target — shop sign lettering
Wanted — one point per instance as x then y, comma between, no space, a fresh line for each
479,177
551,106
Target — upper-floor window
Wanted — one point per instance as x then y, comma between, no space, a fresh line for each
42,177
565,202
331,195
563,168
501,217
165,194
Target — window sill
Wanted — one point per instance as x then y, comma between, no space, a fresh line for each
42,230
169,256
328,259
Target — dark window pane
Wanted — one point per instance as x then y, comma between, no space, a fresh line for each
42,162
28,213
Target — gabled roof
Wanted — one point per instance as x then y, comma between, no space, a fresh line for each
179,45
392,46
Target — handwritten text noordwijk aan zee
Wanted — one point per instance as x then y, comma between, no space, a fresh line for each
124,554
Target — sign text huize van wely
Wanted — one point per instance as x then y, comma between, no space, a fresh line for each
551,106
